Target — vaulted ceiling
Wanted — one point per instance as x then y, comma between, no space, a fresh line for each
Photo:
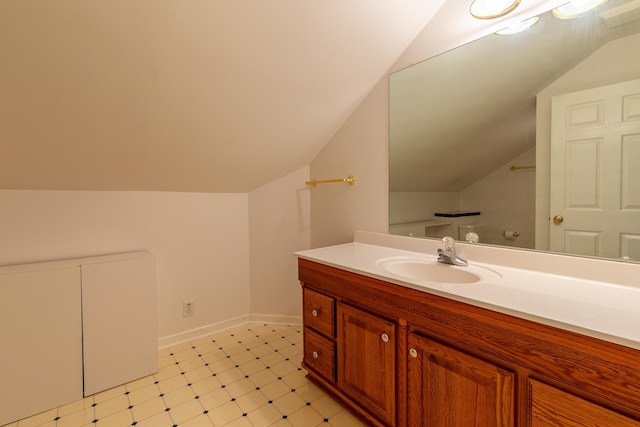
185,95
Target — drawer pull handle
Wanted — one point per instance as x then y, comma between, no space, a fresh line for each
315,354
314,312
413,353
385,338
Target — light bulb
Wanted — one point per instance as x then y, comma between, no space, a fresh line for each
576,8
489,9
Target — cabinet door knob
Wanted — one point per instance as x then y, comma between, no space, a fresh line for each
314,312
315,354
385,338
413,353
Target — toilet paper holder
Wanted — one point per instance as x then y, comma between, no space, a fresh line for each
512,233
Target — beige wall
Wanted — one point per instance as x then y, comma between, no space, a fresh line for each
279,225
359,149
232,254
201,242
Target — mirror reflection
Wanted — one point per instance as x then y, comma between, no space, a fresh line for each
530,140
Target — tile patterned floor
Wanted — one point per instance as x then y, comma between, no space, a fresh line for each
248,376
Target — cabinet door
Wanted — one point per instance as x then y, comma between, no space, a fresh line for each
119,318
41,341
553,407
366,361
447,387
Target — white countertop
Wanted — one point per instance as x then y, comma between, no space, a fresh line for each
599,309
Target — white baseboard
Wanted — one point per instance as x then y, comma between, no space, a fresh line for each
192,334
276,319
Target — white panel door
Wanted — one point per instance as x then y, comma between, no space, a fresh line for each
40,338
119,316
595,172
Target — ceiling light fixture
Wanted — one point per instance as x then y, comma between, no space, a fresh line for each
490,9
518,27
576,8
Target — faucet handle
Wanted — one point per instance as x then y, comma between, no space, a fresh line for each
448,243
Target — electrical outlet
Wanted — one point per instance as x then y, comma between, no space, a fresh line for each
187,308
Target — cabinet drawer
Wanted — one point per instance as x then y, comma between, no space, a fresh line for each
319,354
319,312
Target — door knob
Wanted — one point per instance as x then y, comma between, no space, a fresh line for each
413,353
558,219
385,338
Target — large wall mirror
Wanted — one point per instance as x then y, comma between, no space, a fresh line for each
530,140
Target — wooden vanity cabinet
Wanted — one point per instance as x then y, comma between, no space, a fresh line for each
448,363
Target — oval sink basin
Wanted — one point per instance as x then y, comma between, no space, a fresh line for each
433,271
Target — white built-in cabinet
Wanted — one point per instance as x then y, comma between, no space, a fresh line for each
72,328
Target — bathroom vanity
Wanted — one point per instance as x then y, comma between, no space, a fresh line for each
401,351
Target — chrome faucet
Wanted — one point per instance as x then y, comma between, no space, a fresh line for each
448,254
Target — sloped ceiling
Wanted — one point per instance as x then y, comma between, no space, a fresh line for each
185,95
